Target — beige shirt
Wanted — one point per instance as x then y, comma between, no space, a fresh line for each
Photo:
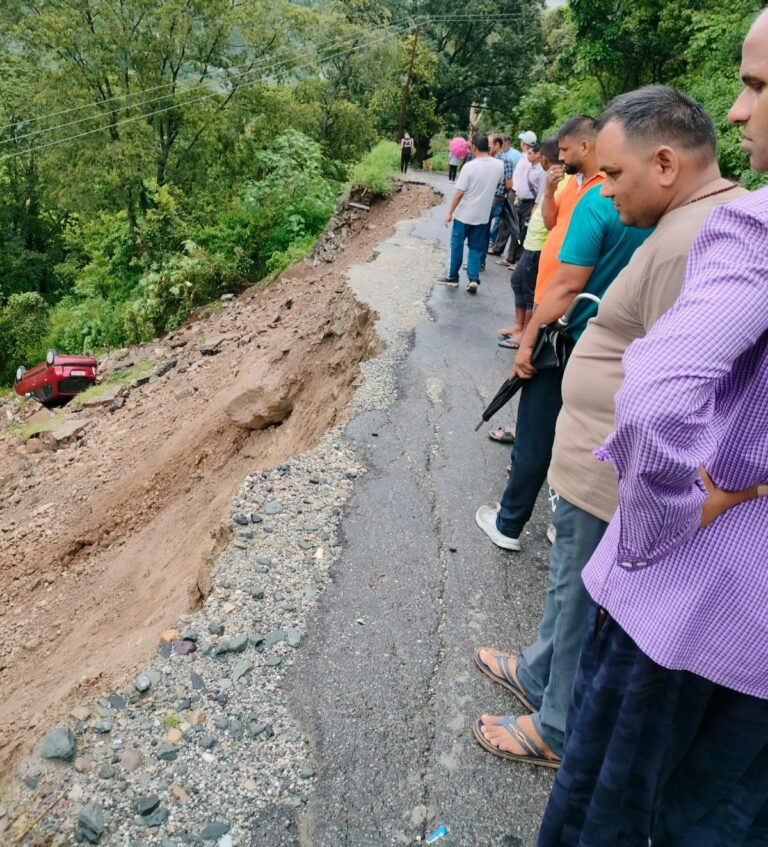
638,297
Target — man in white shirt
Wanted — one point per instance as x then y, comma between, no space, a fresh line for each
470,211
523,199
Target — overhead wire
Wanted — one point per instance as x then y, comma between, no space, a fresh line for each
390,31
257,68
399,25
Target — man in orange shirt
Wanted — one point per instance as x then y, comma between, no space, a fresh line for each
577,155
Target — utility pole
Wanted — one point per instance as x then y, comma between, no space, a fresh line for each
407,89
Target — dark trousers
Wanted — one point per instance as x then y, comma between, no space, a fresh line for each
509,228
523,279
524,211
540,402
405,159
452,170
655,753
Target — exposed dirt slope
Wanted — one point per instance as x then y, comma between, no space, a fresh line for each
108,536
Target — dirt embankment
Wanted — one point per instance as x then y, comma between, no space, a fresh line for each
108,535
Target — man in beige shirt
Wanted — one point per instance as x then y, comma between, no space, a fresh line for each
657,149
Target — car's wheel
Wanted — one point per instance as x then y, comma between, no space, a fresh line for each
50,357
20,371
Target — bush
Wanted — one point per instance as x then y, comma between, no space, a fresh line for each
439,161
23,325
379,168
76,325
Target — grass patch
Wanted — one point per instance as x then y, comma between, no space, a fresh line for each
379,168
171,721
26,431
117,378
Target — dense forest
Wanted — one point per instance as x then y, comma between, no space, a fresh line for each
155,154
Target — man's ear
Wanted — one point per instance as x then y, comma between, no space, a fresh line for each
666,164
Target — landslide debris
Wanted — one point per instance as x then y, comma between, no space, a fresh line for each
113,511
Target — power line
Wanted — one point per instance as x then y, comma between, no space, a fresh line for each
390,31
263,66
420,19
143,116
117,97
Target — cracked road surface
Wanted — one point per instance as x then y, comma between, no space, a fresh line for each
386,688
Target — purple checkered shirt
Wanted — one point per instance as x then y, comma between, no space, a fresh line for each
695,395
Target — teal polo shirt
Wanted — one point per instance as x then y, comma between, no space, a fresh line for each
597,238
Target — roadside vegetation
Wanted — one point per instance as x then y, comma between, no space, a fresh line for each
150,161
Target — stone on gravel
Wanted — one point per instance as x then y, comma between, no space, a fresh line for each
241,669
142,683
274,507
91,820
59,744
184,647
257,593
216,628
80,713
147,805
214,830
116,701
294,638
81,765
103,727
273,661
157,818
207,742
167,753
180,794
307,772
106,772
198,683
131,760
174,735
275,637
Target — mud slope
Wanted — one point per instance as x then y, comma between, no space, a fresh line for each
108,536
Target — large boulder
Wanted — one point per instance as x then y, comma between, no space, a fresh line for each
257,401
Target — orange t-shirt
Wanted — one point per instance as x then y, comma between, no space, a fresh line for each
566,202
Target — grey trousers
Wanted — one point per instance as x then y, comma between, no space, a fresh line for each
547,668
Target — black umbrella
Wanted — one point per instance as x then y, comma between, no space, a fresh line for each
551,349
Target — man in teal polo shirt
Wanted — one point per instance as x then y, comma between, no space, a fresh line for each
596,247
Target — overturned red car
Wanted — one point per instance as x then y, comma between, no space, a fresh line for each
57,378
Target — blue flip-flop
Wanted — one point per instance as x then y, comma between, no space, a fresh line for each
534,755
504,676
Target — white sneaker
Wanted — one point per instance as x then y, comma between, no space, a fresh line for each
551,533
472,287
485,518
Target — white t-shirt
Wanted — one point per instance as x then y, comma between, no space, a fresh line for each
478,180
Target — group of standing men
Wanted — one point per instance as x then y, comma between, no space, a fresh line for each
647,686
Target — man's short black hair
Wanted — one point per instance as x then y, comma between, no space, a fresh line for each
495,138
580,128
660,114
549,149
480,140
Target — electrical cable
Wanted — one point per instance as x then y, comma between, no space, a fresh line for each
395,29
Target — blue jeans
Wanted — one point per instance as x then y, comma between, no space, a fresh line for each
540,403
547,669
476,236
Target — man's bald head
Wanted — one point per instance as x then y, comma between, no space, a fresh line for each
750,110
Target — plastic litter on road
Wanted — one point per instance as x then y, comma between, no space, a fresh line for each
439,833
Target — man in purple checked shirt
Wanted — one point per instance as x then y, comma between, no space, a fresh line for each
667,737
